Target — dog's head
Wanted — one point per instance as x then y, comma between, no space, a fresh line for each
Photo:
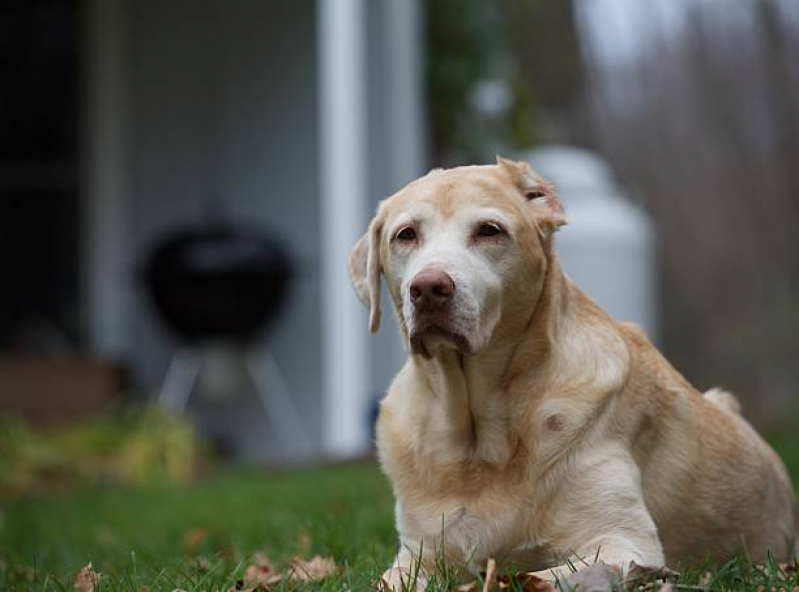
464,252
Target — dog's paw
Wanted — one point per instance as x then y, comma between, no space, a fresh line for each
400,579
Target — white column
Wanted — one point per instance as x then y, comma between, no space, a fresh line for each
405,102
104,195
342,111
401,21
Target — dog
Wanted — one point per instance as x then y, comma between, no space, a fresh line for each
527,425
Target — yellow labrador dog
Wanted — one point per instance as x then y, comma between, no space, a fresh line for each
529,426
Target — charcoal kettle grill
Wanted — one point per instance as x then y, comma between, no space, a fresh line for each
220,284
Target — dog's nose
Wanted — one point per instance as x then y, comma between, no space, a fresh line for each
431,290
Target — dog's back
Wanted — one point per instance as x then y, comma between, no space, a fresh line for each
713,486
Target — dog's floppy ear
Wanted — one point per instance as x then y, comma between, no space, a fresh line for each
544,201
364,268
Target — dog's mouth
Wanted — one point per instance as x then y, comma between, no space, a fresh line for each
425,335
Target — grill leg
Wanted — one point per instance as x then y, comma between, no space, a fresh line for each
279,406
181,376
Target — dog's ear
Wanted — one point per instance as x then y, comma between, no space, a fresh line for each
364,268
544,201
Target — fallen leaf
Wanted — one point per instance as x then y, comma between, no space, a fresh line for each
193,539
530,582
706,578
522,581
318,568
204,564
86,580
144,588
261,560
526,582
260,575
490,581
472,587
597,577
789,567
638,575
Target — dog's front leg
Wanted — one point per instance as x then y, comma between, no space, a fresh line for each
601,515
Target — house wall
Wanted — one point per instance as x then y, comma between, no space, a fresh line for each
221,100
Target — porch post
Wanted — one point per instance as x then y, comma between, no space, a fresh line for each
105,258
342,113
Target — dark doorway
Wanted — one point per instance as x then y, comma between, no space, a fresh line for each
39,198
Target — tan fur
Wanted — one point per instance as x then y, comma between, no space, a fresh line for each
567,434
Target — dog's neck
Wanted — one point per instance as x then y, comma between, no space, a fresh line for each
478,398
472,390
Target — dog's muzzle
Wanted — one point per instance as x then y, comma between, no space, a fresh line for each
432,294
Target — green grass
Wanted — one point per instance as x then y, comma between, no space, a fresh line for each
137,537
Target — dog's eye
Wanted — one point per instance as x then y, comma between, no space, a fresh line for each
407,234
489,229
535,193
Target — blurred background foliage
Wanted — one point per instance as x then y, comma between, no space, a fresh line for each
697,111
704,125
130,446
504,75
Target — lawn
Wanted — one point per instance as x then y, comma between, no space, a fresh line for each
202,537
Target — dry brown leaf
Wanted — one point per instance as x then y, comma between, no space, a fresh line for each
597,577
638,575
193,539
491,575
144,588
261,560
471,587
527,582
318,568
264,576
86,580
203,564
706,578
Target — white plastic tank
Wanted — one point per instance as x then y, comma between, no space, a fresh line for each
608,246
